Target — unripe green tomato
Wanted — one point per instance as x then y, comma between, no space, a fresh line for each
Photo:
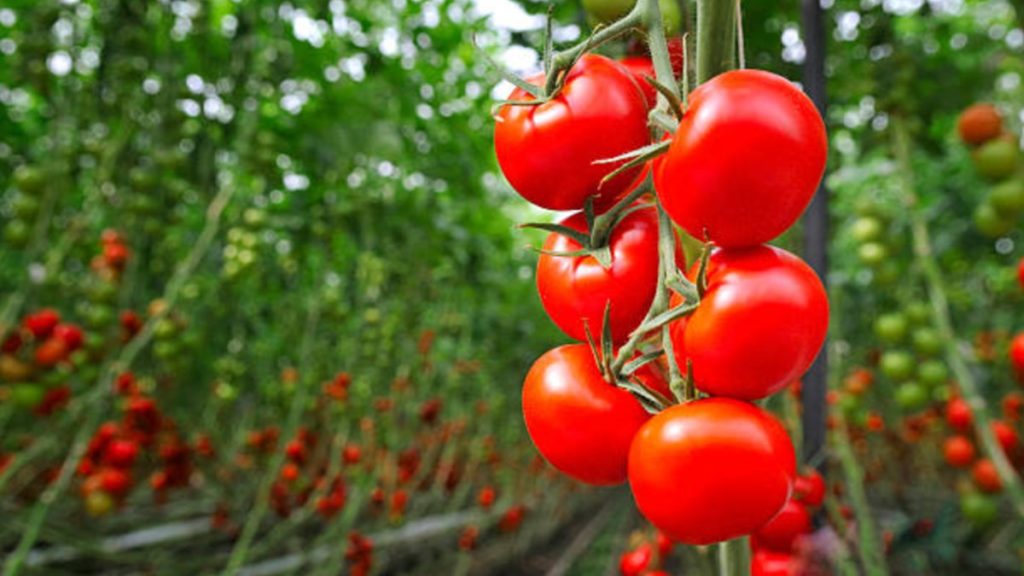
849,404
872,253
254,217
1008,198
891,328
927,341
996,159
918,312
868,207
866,229
27,394
93,342
102,292
29,179
941,394
911,395
989,222
99,316
17,233
979,509
606,11
164,329
98,503
897,365
25,207
166,349
888,273
932,373
79,357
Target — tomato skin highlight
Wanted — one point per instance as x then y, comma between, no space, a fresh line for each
576,289
760,325
745,161
547,152
711,470
580,423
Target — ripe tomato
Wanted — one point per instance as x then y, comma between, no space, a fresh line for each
809,488
42,322
985,476
547,152
70,334
641,66
711,470
51,351
958,451
1017,355
781,532
634,562
759,326
769,563
958,415
1006,436
579,422
746,160
575,289
979,123
1020,272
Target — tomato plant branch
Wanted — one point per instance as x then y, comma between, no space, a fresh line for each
716,38
564,59
940,311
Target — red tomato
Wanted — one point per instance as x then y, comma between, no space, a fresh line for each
810,488
664,543
42,322
979,123
958,451
746,160
1013,404
781,532
120,453
958,415
986,477
1017,355
71,334
1006,436
51,351
762,321
711,470
1020,272
768,563
641,66
634,562
579,422
575,289
547,152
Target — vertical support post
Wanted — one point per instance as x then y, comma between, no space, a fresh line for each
815,238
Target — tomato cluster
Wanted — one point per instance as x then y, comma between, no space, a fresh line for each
749,319
996,157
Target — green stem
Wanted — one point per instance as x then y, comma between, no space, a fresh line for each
564,59
955,357
716,38
734,558
868,545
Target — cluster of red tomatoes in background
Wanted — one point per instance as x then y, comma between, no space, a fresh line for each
743,164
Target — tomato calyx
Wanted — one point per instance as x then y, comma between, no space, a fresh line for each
597,242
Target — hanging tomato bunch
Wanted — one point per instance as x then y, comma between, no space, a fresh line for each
658,390
996,157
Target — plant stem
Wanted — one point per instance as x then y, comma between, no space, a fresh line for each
868,545
716,38
734,557
565,58
955,357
